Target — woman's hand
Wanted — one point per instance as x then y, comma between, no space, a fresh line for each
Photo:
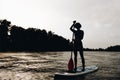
74,22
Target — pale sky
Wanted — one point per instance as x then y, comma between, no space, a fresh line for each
100,19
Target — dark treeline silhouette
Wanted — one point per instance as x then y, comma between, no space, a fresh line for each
15,38
89,49
111,48
4,38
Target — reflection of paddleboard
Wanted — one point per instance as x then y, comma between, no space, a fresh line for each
88,69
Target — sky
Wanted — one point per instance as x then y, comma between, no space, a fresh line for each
100,19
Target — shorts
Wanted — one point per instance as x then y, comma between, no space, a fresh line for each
78,46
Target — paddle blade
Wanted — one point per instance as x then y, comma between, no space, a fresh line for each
70,65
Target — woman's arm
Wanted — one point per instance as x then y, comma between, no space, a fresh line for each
72,27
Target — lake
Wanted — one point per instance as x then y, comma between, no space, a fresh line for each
43,65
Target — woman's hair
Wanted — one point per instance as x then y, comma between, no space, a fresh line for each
77,25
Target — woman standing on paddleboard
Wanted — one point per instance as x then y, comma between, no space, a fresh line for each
78,46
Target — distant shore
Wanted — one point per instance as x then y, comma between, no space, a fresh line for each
111,48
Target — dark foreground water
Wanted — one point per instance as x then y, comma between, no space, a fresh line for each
42,66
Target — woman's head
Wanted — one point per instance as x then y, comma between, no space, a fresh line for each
77,25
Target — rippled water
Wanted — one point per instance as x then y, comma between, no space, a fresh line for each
43,65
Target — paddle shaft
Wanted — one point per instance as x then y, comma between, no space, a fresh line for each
72,43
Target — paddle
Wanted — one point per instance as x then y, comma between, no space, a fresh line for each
71,63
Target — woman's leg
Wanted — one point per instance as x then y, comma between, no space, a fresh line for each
75,59
82,59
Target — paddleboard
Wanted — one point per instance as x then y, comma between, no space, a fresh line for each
88,69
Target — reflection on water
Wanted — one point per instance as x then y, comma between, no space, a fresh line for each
42,66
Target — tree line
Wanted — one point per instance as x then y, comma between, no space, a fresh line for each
111,48
16,38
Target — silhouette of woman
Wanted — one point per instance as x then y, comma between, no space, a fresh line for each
78,46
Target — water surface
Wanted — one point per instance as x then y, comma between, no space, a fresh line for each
43,65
